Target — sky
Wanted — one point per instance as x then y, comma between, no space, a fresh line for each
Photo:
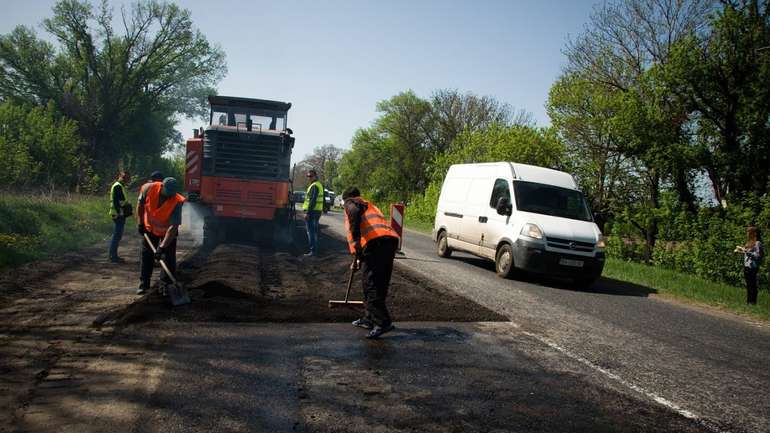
334,60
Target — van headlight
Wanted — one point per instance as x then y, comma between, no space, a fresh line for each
532,230
602,243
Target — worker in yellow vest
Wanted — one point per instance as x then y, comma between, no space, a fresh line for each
374,244
160,215
120,209
313,208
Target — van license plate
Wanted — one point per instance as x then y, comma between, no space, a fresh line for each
573,263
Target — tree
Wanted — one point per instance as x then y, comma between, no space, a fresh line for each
722,78
324,160
627,109
579,111
454,112
114,83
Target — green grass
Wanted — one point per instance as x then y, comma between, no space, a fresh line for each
419,226
688,287
34,227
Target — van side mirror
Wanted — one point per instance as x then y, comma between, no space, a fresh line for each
504,206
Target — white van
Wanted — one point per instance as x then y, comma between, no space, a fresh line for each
521,216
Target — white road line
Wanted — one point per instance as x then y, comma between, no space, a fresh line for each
651,395
613,376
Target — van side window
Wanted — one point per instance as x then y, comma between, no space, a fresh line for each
499,190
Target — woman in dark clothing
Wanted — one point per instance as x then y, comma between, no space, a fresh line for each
752,255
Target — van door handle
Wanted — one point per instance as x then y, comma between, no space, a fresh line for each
482,219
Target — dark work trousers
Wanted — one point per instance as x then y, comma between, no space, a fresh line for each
376,268
119,223
148,259
750,274
312,230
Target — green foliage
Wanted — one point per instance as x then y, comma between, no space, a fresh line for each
721,77
124,87
394,159
423,206
34,227
37,147
700,244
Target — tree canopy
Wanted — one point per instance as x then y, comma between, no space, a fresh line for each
124,79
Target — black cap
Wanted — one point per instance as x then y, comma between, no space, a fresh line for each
157,176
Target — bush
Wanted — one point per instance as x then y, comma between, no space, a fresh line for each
700,244
38,148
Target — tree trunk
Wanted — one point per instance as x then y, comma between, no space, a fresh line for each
683,189
651,230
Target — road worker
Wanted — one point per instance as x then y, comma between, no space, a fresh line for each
374,244
313,207
160,215
120,209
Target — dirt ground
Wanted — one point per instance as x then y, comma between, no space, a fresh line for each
80,352
248,283
56,316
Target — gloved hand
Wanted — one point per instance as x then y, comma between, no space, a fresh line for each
158,253
140,229
356,265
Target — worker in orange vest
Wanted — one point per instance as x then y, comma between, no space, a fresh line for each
374,244
159,211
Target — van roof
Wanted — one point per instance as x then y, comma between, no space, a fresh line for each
525,172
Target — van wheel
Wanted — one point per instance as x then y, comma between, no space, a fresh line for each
442,247
504,262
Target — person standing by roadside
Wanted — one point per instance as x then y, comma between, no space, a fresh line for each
313,207
120,209
374,244
753,252
159,215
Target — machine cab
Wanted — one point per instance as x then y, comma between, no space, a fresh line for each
250,115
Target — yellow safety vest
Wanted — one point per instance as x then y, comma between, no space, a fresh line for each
115,212
319,202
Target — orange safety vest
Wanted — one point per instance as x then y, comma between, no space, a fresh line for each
156,217
373,226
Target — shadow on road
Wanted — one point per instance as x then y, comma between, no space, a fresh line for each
605,286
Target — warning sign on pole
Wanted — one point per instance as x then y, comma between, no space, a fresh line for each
397,221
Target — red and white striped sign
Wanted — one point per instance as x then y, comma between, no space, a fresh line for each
193,162
397,221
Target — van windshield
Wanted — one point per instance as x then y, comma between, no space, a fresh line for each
551,200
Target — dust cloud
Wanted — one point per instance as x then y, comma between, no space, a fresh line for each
193,215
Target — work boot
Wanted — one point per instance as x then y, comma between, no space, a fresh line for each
118,260
379,330
143,287
363,323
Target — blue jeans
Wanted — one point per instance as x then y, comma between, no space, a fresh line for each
312,230
117,235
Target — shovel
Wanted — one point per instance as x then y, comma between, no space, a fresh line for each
176,293
333,303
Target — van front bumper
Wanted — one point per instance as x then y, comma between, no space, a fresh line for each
532,257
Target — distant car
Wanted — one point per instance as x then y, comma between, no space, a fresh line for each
298,196
329,197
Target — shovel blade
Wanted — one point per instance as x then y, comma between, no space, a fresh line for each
178,295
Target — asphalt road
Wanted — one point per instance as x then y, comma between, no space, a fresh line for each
706,365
